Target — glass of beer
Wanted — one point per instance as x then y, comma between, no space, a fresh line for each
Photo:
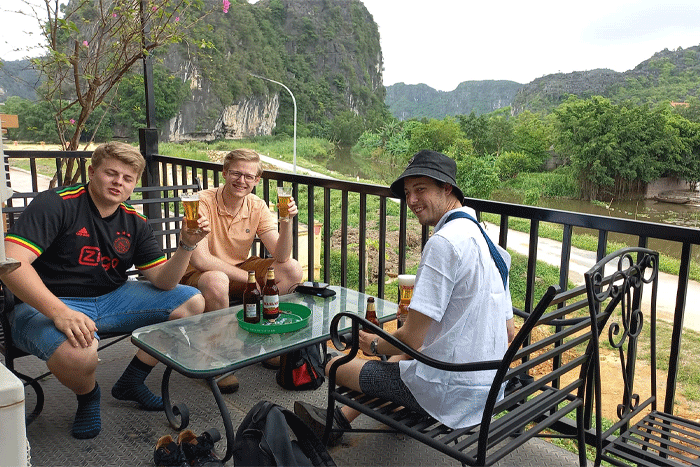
406,282
284,193
190,203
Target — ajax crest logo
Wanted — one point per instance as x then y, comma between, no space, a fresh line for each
122,243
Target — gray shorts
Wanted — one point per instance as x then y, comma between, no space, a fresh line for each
131,306
383,380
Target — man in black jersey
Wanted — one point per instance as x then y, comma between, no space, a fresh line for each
75,245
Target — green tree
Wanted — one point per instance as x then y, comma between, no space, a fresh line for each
477,176
531,137
500,131
129,107
617,149
345,129
687,164
477,130
436,135
461,148
36,120
585,136
690,111
510,164
92,45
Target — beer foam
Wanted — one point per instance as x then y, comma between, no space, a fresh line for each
407,280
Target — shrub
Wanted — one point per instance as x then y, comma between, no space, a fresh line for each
510,164
353,265
477,176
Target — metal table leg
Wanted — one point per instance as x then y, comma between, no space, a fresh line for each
181,411
230,435
173,411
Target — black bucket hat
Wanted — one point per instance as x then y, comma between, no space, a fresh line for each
429,164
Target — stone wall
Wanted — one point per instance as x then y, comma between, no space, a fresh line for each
665,184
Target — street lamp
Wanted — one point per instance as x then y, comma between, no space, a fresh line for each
294,101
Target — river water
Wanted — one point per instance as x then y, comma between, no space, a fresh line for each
346,163
645,210
685,215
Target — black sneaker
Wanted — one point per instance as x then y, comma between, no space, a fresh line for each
168,453
315,418
198,450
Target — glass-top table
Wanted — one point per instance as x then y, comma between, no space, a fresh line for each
212,344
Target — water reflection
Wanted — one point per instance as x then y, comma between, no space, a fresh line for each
644,210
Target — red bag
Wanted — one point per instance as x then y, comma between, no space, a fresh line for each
301,369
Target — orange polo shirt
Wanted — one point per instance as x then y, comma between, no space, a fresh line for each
232,234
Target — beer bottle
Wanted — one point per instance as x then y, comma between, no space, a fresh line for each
371,316
271,297
371,313
251,300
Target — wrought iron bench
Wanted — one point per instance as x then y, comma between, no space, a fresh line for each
166,228
550,363
648,435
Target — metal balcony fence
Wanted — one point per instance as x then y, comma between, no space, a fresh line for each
318,198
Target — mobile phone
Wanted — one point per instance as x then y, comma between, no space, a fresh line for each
314,285
320,289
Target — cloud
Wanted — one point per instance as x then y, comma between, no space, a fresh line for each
444,42
644,23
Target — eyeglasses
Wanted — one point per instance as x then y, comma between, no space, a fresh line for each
237,175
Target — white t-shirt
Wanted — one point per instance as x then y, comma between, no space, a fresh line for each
458,285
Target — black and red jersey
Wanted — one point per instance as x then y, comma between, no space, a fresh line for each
81,254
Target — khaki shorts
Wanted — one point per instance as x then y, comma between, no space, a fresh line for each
235,289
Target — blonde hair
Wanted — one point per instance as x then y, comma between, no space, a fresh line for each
245,155
122,152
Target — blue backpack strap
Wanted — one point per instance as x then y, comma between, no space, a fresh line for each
497,258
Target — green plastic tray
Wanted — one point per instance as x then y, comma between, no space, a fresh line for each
296,317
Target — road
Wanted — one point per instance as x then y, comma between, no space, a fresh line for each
287,167
549,251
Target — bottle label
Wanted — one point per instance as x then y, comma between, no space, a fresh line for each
251,310
271,303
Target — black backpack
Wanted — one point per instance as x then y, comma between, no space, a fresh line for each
301,369
263,439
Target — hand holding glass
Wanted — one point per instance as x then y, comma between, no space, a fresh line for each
284,194
190,203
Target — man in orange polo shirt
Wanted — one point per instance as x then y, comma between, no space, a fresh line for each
219,267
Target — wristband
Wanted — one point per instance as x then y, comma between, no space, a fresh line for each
187,248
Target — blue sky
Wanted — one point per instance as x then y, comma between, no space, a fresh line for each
444,42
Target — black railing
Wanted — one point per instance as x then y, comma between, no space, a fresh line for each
318,197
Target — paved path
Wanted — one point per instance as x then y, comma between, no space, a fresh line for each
21,180
287,167
549,251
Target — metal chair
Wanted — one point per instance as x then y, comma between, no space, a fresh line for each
536,404
648,436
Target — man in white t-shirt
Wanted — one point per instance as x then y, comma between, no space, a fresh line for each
460,312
